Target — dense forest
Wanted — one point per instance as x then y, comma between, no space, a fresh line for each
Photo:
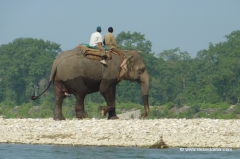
211,79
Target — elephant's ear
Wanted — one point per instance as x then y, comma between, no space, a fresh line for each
124,68
126,60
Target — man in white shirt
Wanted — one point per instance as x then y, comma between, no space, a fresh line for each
96,41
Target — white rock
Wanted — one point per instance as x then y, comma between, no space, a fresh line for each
175,132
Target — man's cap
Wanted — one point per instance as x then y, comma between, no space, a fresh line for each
99,28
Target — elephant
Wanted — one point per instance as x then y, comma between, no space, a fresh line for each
78,75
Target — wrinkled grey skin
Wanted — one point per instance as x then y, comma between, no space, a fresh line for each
81,76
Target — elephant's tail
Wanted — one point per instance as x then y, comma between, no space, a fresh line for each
53,73
36,97
54,70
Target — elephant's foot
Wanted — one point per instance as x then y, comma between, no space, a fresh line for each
102,110
144,115
113,118
59,117
81,115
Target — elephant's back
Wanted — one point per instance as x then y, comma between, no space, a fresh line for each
71,65
59,61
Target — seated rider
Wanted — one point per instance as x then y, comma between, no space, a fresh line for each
96,41
110,41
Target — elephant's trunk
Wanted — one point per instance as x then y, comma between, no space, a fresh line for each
144,82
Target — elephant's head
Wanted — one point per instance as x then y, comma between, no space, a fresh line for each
136,70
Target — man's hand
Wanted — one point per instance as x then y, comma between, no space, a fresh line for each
99,43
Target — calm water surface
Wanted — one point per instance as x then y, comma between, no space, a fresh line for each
24,151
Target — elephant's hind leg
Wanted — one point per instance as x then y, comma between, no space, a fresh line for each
79,108
59,97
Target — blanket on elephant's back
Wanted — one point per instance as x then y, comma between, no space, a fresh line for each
93,47
91,53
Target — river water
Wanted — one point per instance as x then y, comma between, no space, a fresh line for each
25,151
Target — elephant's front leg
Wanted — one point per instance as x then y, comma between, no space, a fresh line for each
109,96
79,108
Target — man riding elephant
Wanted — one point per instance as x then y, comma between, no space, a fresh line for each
96,41
110,41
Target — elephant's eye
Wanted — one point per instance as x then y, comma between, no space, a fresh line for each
141,70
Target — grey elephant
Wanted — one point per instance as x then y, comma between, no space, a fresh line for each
72,72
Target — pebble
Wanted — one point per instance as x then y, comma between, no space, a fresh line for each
131,132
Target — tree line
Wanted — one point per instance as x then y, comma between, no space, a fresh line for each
213,76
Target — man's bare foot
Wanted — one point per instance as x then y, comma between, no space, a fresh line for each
103,62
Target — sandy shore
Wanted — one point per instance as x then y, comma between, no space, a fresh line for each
140,133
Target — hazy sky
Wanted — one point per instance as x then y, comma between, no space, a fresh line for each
188,24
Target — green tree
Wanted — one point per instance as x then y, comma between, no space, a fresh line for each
219,70
133,41
25,63
175,76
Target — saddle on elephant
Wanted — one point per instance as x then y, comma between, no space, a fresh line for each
94,53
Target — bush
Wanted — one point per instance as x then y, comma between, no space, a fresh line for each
202,115
24,109
222,106
45,110
170,105
196,107
236,109
186,114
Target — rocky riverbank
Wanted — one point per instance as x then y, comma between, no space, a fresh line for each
136,132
